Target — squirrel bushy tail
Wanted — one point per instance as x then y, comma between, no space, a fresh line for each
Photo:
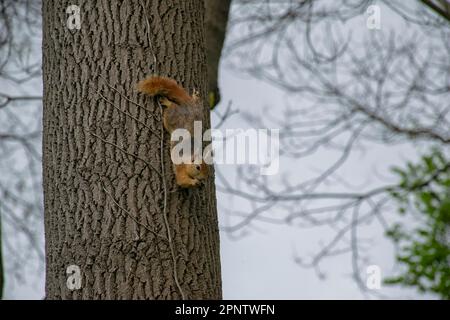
163,86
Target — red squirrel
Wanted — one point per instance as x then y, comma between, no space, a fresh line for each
180,111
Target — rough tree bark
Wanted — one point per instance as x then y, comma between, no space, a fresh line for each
103,185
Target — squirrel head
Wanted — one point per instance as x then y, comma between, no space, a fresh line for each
198,171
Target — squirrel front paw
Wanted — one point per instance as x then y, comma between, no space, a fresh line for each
196,95
188,182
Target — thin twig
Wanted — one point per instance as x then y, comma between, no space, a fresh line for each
130,215
128,114
166,220
228,113
148,36
122,95
124,151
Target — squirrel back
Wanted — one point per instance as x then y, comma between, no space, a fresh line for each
181,110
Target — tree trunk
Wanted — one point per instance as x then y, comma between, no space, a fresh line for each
104,186
217,12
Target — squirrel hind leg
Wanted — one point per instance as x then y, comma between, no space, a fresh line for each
165,102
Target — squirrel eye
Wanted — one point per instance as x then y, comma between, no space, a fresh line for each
197,167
